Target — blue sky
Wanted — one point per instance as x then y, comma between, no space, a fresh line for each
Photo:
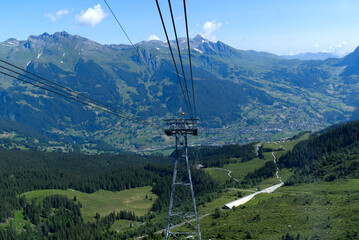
277,26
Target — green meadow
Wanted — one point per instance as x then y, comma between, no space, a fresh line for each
104,202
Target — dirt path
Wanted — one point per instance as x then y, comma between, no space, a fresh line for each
258,145
276,173
229,172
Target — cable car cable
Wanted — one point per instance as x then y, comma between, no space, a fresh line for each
83,101
173,59
189,56
179,54
59,85
44,88
123,30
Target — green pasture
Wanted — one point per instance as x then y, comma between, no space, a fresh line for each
104,202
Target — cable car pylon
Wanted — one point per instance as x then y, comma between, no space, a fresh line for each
182,207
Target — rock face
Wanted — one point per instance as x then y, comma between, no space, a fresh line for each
240,95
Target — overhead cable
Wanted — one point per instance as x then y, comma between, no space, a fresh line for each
62,88
69,94
173,59
63,95
179,55
128,38
190,61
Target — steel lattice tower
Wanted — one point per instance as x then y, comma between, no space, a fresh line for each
182,212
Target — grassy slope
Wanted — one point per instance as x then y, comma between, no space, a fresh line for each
239,170
104,202
290,144
325,210
229,195
218,175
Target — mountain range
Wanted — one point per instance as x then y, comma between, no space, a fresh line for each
241,95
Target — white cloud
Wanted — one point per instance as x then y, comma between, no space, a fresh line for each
153,37
91,17
209,28
52,17
62,12
57,15
335,47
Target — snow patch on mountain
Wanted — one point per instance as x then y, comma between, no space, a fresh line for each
198,50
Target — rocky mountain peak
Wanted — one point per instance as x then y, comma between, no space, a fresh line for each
57,36
11,42
198,38
197,41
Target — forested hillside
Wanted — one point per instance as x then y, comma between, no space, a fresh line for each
23,171
330,154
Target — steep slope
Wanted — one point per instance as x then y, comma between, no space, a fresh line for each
351,63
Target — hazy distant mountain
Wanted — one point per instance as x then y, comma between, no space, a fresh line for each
312,56
241,95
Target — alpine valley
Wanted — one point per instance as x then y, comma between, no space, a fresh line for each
243,96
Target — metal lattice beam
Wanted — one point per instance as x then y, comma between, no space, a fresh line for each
182,207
